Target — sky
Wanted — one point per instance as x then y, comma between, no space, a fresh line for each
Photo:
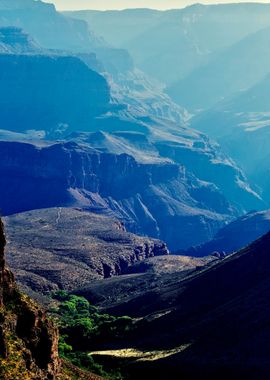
121,4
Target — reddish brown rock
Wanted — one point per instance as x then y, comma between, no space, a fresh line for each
28,339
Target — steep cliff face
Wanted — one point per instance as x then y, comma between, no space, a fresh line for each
28,339
49,28
52,30
159,199
49,92
14,41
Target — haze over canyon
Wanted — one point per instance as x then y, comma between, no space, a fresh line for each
134,190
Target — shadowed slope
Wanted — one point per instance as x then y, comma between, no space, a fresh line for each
220,316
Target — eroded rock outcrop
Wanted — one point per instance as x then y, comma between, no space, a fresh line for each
28,339
77,248
157,197
15,41
160,200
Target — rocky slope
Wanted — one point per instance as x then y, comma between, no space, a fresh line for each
214,322
152,141
37,102
49,28
151,274
235,235
77,247
48,84
28,339
160,199
52,30
14,41
32,86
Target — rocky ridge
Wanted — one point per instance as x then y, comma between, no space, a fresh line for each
149,198
215,321
56,34
77,248
28,339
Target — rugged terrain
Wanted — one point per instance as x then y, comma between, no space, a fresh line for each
230,71
149,275
160,199
235,235
243,118
179,39
215,322
28,339
130,134
100,170
76,247
32,85
55,34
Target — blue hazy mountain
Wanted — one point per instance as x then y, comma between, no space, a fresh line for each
188,178
49,93
154,168
15,41
52,30
170,45
235,69
93,146
49,28
241,125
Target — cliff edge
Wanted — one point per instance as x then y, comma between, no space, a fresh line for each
28,339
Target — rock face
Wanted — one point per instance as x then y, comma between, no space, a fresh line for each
235,235
49,92
28,339
159,199
52,30
77,248
14,41
188,183
49,28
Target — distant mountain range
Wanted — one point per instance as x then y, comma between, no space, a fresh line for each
170,45
214,60
241,125
90,98
234,69
134,156
52,31
122,134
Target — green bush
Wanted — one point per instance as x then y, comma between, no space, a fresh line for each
82,328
